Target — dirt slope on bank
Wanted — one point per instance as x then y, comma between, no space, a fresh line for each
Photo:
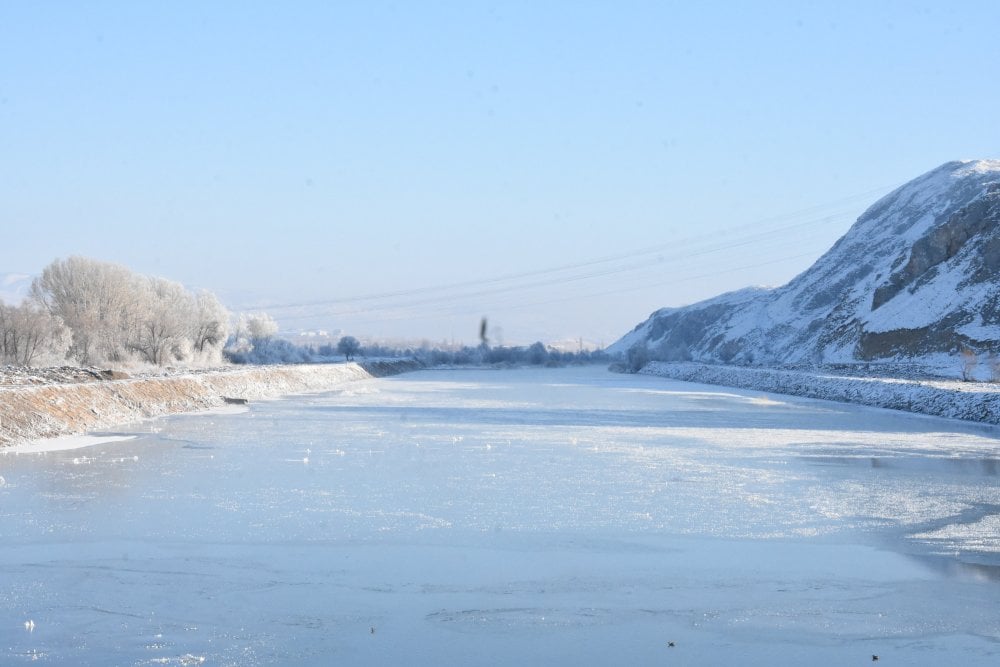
35,411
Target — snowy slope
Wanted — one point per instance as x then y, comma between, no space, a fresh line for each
916,275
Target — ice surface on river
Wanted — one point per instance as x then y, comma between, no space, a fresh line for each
489,517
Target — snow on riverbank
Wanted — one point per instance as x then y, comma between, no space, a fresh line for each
35,412
972,401
64,443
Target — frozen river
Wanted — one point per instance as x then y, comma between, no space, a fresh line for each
565,516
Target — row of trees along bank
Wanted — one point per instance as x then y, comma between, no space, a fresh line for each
89,312
92,313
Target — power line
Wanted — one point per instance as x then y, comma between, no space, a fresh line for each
648,250
449,299
453,304
402,312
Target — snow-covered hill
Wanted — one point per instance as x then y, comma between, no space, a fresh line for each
916,277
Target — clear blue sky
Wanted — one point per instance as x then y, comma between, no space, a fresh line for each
313,153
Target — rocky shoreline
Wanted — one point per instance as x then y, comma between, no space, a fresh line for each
47,403
971,401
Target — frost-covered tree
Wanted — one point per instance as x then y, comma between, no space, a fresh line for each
348,346
969,362
116,315
29,334
251,330
95,300
166,317
211,323
260,326
255,341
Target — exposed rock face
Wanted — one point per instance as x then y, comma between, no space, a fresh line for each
918,274
944,242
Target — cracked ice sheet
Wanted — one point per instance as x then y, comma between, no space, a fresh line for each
507,516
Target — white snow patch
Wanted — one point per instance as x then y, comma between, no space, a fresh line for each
65,443
221,410
982,536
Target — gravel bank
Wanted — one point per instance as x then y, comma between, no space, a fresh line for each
61,402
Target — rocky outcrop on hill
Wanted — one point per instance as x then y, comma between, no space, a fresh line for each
917,275
32,410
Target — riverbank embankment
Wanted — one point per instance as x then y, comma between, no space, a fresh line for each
35,411
971,401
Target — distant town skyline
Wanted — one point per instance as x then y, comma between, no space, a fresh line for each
402,171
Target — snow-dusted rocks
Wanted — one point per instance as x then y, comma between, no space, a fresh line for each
916,277
956,400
